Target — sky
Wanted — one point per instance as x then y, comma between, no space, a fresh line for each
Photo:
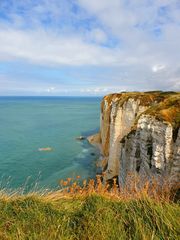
88,47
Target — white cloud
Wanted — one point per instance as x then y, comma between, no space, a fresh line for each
46,48
158,67
50,89
133,24
101,90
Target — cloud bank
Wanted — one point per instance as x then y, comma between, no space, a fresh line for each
137,41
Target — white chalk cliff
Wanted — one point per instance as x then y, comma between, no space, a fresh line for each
140,134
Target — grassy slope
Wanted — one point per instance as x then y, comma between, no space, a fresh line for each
91,217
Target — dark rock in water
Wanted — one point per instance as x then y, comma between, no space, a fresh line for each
93,154
80,138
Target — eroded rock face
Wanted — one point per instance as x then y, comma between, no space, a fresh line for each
150,150
125,116
175,169
134,140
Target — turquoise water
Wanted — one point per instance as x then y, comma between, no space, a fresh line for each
30,123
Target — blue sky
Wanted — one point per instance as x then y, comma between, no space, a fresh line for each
82,47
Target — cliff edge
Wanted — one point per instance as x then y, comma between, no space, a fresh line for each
139,133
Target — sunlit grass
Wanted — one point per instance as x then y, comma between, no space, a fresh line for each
89,209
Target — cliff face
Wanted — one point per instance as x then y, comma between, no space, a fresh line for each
140,133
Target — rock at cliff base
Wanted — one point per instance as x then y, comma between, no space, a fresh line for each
80,138
94,139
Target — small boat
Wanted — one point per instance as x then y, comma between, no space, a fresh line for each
47,149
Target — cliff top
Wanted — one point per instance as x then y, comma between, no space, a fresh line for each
145,98
163,105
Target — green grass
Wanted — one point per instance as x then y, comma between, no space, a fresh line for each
91,217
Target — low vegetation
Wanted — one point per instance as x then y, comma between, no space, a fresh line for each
145,98
91,211
168,110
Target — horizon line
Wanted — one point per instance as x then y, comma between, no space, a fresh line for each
51,96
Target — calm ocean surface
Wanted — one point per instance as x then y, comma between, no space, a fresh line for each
30,123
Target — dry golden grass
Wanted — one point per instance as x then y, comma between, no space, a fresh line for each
169,114
135,188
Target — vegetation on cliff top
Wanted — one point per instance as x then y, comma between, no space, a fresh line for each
167,110
145,98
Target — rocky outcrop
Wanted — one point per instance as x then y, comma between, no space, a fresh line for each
140,133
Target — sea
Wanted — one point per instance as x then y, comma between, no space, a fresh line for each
30,124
